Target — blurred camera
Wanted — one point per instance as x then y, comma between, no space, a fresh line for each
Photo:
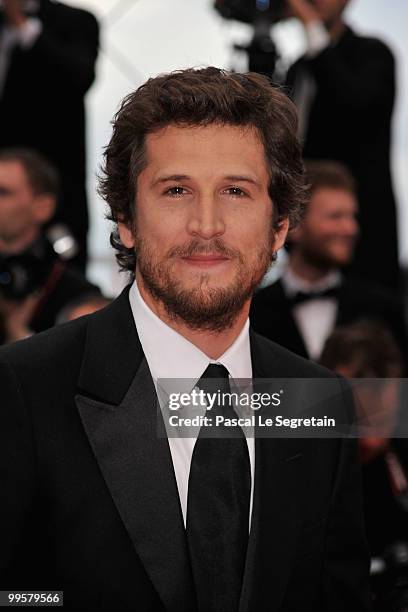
390,584
261,14
22,273
250,11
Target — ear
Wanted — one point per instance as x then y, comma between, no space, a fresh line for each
126,235
43,207
280,234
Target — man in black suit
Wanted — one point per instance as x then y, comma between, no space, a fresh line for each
47,60
313,296
344,87
202,186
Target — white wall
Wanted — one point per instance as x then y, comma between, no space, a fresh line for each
141,38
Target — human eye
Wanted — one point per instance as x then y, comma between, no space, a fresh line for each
236,192
175,192
335,216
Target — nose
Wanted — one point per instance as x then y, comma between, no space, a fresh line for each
206,220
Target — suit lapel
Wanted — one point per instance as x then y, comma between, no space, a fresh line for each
117,406
276,507
284,328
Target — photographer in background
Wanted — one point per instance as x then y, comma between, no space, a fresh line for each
344,87
47,60
35,281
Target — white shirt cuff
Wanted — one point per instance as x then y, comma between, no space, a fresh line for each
317,38
28,33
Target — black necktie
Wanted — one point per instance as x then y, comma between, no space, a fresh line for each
218,506
304,296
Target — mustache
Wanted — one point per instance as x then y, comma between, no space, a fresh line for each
195,247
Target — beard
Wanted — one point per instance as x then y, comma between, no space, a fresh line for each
203,307
323,259
320,260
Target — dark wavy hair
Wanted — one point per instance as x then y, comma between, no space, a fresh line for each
200,97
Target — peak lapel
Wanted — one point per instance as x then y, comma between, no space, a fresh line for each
135,462
277,501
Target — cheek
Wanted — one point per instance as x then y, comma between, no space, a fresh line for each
251,225
17,217
326,231
161,228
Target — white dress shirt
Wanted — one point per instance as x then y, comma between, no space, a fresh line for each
170,355
315,318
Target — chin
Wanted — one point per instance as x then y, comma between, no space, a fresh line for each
206,278
207,286
340,259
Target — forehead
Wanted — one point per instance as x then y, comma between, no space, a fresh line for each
13,173
328,198
206,149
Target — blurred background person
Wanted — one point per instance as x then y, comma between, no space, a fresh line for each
313,295
36,280
47,62
366,350
83,305
344,87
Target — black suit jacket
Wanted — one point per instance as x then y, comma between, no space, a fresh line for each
90,502
271,313
42,105
350,121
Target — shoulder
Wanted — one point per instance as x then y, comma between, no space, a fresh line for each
64,12
278,361
370,45
54,350
359,289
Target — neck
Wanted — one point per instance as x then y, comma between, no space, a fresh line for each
306,270
213,344
20,244
336,29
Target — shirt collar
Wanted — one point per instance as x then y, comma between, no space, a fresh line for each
293,283
170,355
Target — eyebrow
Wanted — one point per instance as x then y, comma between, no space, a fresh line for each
241,179
185,177
172,177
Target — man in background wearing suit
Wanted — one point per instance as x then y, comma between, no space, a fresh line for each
203,183
313,296
344,88
47,64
